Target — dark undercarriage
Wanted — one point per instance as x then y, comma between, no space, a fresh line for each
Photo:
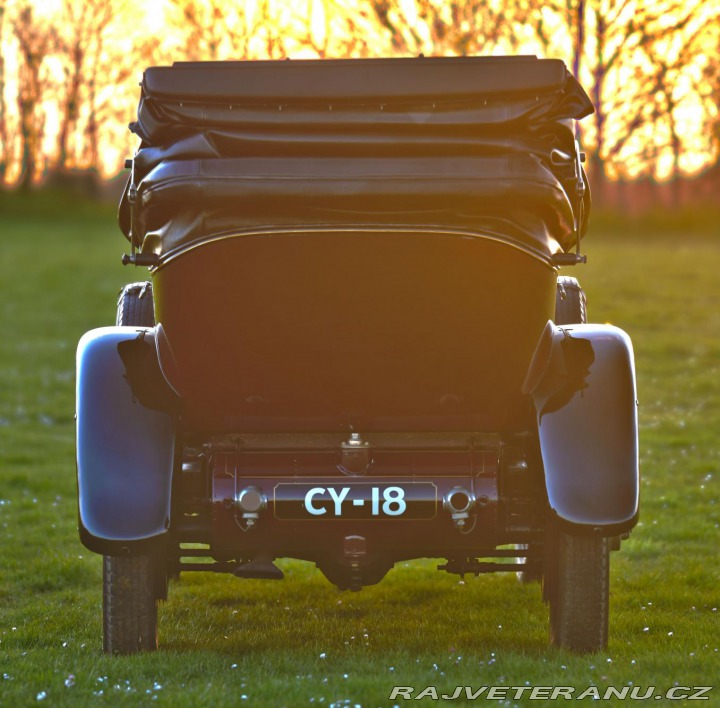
466,495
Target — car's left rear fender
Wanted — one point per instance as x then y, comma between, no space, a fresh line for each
126,432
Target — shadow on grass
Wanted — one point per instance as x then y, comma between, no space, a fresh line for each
409,613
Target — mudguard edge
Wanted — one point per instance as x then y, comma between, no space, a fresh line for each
582,381
125,442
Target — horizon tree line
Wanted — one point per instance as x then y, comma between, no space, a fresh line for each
68,79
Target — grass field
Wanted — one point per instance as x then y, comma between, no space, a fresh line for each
228,642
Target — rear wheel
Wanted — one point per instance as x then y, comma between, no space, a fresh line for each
576,581
570,308
132,585
130,604
576,586
135,306
570,302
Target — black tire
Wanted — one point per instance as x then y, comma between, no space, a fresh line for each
570,308
570,302
135,306
132,585
576,585
576,579
129,604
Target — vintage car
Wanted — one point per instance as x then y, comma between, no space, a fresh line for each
355,347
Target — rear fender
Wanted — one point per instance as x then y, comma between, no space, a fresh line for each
126,431
582,381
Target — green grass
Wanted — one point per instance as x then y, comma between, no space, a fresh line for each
302,642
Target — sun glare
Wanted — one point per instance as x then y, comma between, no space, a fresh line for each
162,31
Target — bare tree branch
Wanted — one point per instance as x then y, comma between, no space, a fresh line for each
35,41
624,47
4,148
439,27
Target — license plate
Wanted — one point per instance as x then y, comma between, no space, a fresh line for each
355,500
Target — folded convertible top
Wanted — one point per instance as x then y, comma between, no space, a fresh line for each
354,79
478,143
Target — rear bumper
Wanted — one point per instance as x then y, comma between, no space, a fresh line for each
413,496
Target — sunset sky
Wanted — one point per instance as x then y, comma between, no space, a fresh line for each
312,26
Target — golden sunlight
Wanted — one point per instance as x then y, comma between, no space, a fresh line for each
70,68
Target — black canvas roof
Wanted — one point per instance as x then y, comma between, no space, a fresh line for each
354,79
456,142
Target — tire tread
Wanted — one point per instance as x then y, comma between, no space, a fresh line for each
579,595
135,306
129,605
570,302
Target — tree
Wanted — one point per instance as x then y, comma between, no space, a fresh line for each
213,29
4,148
36,40
440,27
329,28
272,29
112,98
674,86
622,51
81,48
710,92
95,94
647,64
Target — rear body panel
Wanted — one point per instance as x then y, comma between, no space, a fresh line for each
371,331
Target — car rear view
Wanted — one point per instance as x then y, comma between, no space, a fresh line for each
354,347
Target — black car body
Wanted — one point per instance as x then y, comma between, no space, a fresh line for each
356,347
